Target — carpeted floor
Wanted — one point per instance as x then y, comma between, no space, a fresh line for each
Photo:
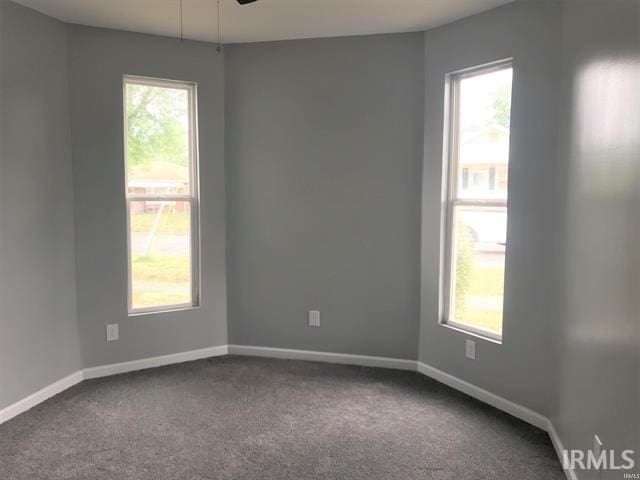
249,418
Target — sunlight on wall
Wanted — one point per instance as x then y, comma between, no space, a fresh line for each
607,125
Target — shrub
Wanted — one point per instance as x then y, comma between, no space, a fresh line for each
464,263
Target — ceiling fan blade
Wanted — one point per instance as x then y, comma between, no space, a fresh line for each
245,2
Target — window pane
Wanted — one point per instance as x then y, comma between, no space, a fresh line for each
160,253
478,267
483,135
157,140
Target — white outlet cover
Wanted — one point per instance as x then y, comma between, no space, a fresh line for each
470,349
112,332
314,318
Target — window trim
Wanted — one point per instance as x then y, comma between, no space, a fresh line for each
450,199
193,198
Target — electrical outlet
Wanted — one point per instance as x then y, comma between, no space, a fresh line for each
112,332
314,318
470,350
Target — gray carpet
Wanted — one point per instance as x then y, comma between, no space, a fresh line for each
248,418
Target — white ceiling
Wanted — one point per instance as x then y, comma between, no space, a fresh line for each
263,20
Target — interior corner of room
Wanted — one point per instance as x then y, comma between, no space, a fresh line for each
332,201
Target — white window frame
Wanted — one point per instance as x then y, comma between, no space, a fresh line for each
451,200
192,198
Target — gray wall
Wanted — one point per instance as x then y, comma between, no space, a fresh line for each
325,168
98,59
324,141
599,308
38,331
521,368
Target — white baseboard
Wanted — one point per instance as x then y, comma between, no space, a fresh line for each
518,411
102,371
514,409
343,358
152,362
485,396
559,447
40,396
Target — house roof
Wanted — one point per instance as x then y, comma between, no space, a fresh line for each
486,145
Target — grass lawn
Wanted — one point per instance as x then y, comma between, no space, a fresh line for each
487,319
165,280
142,299
161,268
487,282
170,223
160,280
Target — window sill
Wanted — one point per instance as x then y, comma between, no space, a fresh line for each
474,333
160,310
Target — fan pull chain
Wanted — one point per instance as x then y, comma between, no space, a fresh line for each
219,46
181,28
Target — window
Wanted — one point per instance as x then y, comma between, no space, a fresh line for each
479,111
161,178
